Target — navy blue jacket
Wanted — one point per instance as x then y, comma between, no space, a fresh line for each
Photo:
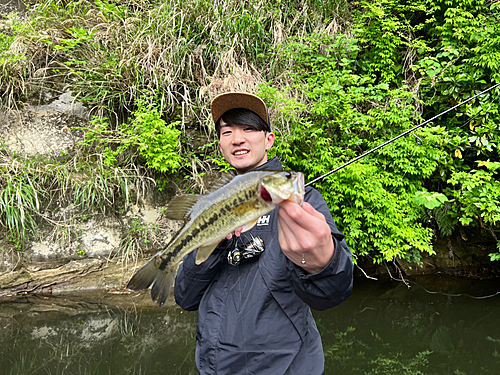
255,318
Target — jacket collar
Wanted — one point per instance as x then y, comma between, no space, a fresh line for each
273,164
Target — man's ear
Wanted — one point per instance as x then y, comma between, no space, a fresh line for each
270,140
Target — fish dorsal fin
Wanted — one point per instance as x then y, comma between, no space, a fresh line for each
225,179
179,208
205,251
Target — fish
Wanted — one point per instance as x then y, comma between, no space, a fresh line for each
236,202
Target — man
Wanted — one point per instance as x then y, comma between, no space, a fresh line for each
254,317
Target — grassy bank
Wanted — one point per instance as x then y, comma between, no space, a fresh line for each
341,78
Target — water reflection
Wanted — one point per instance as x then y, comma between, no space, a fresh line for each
384,328
106,341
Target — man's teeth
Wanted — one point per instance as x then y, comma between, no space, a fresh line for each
241,152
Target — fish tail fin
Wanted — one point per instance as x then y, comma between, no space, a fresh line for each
143,278
162,287
149,274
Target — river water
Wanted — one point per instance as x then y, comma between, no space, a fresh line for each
436,326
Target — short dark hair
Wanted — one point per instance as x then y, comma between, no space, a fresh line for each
242,116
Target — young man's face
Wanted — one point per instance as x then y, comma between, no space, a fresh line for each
244,147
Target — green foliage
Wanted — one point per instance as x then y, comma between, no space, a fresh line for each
370,356
445,218
113,53
381,224
13,63
31,186
147,135
157,141
386,28
353,97
19,201
478,195
468,51
372,201
132,246
430,200
496,256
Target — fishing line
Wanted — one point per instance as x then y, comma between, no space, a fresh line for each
401,135
446,294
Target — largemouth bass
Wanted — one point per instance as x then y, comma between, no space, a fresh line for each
212,217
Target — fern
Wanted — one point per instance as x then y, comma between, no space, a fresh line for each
444,220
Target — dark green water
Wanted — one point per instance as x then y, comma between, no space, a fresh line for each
384,328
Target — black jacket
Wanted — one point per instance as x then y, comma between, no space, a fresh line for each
255,318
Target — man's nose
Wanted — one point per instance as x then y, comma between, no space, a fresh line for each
238,137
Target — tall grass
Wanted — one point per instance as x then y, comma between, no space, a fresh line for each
33,189
110,54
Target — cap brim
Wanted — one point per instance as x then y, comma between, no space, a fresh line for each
231,100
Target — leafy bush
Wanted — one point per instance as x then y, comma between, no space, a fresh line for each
357,88
372,201
147,135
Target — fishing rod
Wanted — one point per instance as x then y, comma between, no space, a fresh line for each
400,136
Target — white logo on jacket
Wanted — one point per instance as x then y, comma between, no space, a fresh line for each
263,220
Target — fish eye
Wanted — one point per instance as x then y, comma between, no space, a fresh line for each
288,175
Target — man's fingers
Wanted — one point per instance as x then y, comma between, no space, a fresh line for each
237,233
285,232
288,241
312,211
304,216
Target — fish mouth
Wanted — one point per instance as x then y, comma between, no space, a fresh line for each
290,188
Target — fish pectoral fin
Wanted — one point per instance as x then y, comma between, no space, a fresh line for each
249,225
205,251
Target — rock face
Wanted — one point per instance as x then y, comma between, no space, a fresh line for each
42,130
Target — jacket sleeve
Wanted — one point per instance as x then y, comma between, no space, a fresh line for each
192,280
334,283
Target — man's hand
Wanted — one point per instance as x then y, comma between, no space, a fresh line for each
304,234
237,233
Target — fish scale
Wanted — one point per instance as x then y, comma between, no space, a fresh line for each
210,218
